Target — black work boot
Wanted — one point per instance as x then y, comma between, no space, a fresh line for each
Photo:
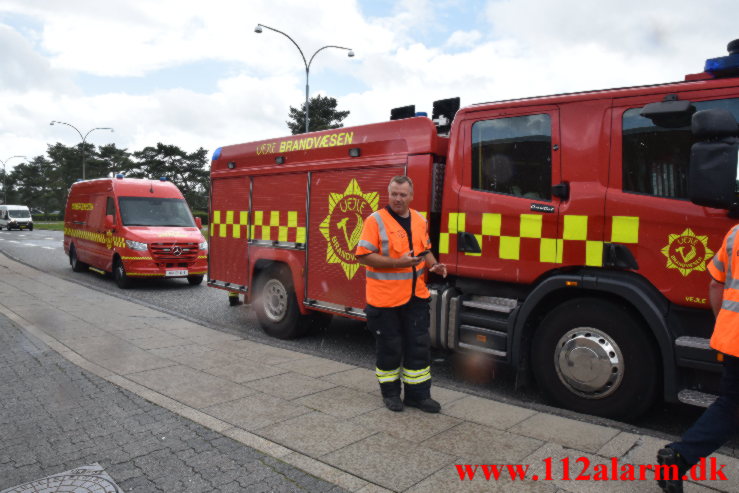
427,404
671,483
393,403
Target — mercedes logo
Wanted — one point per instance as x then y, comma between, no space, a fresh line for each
177,251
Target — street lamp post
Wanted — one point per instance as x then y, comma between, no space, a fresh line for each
307,63
5,178
84,138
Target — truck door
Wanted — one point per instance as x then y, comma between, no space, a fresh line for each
674,239
228,259
505,225
340,201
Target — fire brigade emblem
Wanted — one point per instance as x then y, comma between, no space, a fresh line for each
342,227
687,252
109,240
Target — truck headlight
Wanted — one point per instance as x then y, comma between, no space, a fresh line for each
137,245
203,245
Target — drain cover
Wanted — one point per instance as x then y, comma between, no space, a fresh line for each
84,479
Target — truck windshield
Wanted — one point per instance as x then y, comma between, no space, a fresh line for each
151,211
19,214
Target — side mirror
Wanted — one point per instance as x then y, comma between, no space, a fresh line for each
669,114
713,159
199,223
109,224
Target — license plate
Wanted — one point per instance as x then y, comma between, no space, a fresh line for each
176,273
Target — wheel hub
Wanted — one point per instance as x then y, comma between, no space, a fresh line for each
274,300
589,362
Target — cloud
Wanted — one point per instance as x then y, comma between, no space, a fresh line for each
22,69
463,39
408,52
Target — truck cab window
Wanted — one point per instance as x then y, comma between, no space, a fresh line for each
655,159
513,156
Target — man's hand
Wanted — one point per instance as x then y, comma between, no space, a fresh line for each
407,260
439,269
384,262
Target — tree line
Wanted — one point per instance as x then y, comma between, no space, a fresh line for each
43,182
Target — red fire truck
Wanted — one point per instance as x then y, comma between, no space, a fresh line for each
575,227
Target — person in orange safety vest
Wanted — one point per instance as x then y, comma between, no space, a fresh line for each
720,422
395,249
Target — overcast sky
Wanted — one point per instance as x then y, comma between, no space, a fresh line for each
195,74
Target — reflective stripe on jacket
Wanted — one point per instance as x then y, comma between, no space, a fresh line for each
724,268
382,234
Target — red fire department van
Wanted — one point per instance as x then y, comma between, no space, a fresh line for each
134,228
575,228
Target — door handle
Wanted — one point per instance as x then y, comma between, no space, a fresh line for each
466,242
561,190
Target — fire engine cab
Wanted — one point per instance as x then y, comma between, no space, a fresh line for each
576,229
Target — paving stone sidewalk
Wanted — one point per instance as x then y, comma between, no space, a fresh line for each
55,416
299,410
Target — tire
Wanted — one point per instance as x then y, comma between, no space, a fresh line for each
195,280
595,357
30,228
120,276
276,305
77,266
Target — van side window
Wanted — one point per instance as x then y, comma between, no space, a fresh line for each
655,159
513,156
110,208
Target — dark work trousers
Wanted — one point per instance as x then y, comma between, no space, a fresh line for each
402,336
718,424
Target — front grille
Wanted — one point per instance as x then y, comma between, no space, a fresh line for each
167,252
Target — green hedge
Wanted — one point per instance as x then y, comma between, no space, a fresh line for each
47,217
202,215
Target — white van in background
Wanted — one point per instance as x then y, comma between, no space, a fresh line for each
15,217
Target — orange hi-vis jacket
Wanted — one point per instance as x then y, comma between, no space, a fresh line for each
725,268
382,234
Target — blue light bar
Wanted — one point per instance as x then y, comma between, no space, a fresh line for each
217,154
162,178
119,176
722,64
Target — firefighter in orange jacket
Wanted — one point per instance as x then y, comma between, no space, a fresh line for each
721,420
394,247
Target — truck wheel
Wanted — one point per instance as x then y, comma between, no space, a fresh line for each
30,228
594,357
120,276
276,305
77,266
195,280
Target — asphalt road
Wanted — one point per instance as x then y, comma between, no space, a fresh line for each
344,340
